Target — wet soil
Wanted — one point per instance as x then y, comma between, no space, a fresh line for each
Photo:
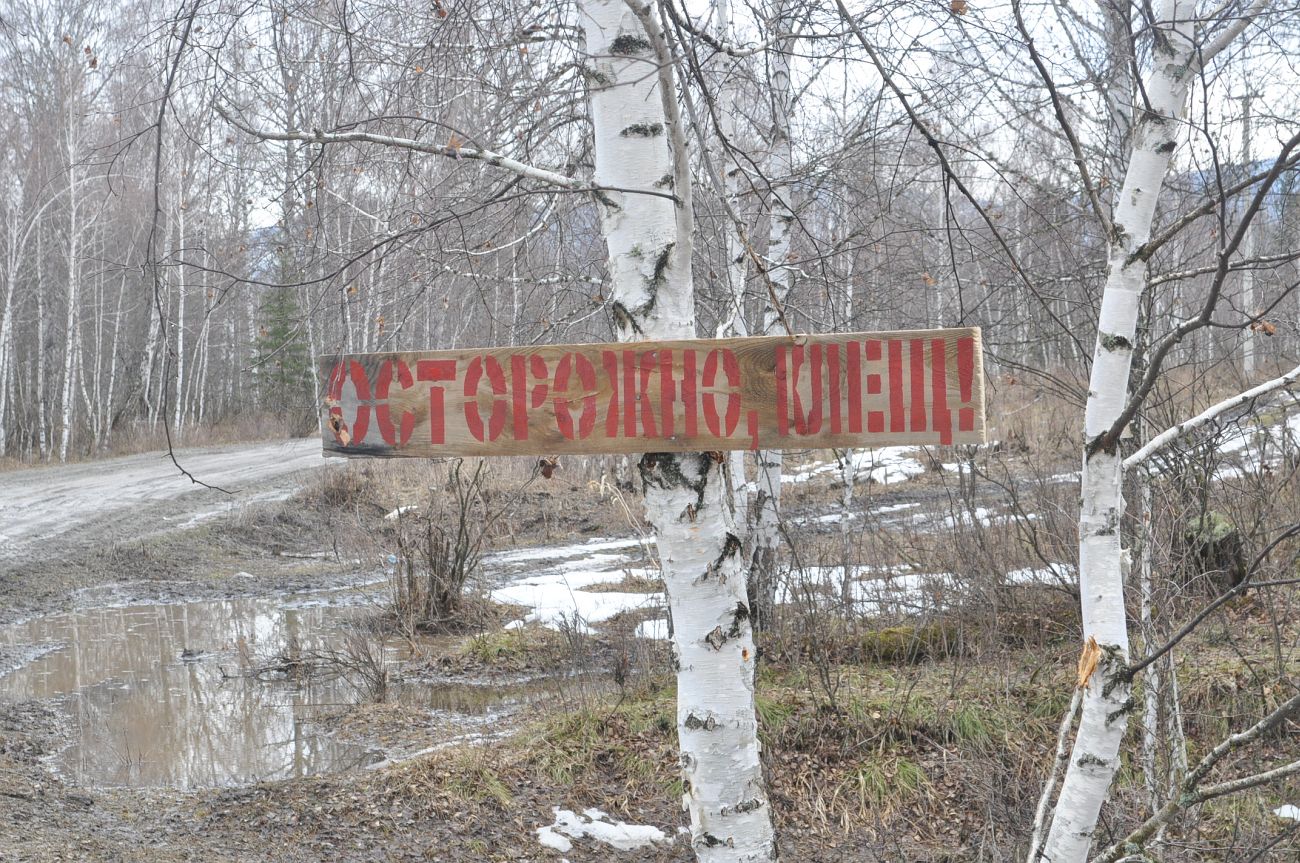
154,717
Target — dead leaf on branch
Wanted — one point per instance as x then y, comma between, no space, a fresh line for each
958,7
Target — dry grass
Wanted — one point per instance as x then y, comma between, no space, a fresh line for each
948,752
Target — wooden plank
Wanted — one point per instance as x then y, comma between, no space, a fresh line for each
838,390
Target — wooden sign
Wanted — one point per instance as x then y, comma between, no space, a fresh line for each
840,390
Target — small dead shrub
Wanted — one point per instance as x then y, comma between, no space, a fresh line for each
441,545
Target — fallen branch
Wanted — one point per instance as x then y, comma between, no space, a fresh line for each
1191,792
1171,434
1058,761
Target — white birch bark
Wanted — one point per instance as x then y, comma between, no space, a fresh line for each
148,358
734,324
1172,433
72,326
112,368
178,418
1107,701
1248,251
780,279
94,399
7,323
42,423
649,241
1151,683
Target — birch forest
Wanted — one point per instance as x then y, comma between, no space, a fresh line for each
1075,642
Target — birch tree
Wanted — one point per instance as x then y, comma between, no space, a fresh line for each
1176,59
780,277
642,184
640,145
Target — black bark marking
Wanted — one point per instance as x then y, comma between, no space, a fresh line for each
628,44
624,320
695,723
661,266
1124,710
730,548
600,79
643,130
1103,442
1114,342
664,470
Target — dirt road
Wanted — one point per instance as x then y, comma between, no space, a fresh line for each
39,504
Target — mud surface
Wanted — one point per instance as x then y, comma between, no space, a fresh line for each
133,529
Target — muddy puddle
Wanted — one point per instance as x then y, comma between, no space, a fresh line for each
208,693
165,695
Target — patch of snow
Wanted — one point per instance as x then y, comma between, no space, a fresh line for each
895,507
882,466
554,552
591,561
656,630
1251,447
400,511
548,837
876,590
594,824
557,599
557,575
984,516
516,624
1053,573
1288,810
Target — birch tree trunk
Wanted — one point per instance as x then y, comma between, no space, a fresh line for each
733,324
71,342
110,415
780,275
1107,701
7,323
42,424
178,417
649,239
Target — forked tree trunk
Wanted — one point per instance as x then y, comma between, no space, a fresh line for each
1107,700
649,241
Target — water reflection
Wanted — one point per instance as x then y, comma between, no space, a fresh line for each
144,715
